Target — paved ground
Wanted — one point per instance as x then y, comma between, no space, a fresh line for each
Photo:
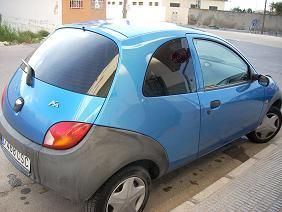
256,185
167,192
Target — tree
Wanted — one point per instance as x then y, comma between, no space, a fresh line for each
236,10
239,10
276,8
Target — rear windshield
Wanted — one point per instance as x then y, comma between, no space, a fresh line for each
80,61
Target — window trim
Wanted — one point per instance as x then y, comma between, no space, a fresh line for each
250,72
147,67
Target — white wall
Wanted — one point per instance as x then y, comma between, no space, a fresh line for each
163,12
136,12
31,15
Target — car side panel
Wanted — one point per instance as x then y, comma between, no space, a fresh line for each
237,115
173,121
81,171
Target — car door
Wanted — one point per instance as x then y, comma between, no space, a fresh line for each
231,102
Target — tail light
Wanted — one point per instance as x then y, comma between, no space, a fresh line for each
3,97
65,135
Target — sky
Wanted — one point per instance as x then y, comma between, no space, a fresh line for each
244,4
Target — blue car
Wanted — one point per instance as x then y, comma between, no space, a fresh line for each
102,108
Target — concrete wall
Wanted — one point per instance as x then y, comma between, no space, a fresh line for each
241,21
31,15
179,15
88,12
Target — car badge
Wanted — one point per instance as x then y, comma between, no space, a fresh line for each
18,104
54,103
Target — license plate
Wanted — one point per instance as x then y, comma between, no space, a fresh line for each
23,160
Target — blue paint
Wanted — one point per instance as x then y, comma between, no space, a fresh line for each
180,123
37,116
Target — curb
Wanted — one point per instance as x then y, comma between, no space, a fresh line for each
222,182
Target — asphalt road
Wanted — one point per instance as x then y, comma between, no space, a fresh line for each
18,193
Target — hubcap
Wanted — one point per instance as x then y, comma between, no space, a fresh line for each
268,127
127,196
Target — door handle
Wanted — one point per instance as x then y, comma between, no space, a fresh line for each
215,104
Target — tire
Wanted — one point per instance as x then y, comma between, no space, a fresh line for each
140,176
258,137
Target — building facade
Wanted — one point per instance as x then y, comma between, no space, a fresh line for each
35,15
175,11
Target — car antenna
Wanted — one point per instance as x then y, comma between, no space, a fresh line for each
29,74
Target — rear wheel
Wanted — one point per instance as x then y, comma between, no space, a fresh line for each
269,127
127,190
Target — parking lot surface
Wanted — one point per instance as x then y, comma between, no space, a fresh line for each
18,193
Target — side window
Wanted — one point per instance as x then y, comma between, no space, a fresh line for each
220,65
170,70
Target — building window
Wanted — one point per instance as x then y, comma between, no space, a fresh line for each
150,3
134,3
156,3
76,4
174,4
120,3
98,4
113,3
109,2
140,3
193,6
212,8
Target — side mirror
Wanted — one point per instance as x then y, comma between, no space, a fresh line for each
262,80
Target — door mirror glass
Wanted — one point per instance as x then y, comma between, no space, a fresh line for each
263,80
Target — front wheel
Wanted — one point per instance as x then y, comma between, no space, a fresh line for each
127,190
269,127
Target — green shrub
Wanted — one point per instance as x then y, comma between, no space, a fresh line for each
10,35
43,33
7,33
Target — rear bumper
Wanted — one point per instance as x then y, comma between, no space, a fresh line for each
23,145
79,172
61,171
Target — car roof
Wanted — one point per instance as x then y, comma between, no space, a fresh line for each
129,29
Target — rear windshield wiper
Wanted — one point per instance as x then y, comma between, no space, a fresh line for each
30,74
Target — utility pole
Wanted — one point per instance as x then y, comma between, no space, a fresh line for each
263,20
124,9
